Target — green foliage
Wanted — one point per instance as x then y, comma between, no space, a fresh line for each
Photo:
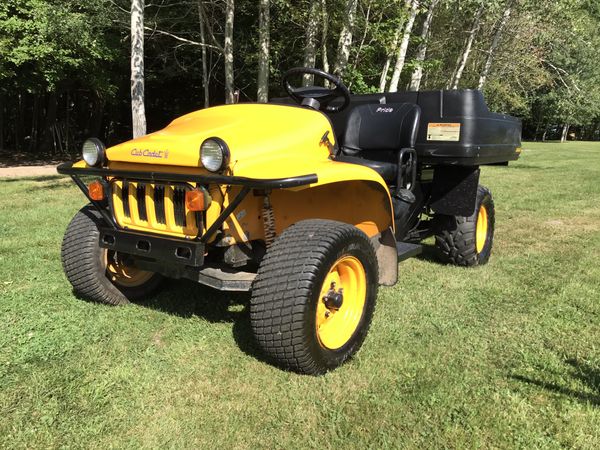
45,43
544,69
574,93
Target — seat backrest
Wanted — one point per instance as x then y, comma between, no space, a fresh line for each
388,127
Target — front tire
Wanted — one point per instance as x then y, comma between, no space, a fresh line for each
468,241
97,274
293,311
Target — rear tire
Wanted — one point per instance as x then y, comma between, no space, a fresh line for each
468,241
291,321
97,274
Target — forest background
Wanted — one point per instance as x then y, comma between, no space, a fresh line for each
70,69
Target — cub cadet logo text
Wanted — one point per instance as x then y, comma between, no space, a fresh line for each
385,110
163,154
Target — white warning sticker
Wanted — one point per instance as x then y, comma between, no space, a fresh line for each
443,132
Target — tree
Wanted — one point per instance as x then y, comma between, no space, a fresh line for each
572,96
495,41
204,50
464,56
325,25
401,56
138,110
228,50
55,57
65,74
366,17
263,52
345,41
417,75
388,62
310,49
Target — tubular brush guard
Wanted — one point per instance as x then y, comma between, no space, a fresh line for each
247,185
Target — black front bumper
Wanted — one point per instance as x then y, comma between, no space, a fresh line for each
164,249
175,258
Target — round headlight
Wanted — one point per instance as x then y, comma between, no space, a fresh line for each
93,152
214,154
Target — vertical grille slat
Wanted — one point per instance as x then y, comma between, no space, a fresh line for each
141,201
179,206
159,204
157,207
125,199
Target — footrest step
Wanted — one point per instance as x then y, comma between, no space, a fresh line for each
407,250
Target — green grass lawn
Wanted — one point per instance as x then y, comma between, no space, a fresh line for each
506,355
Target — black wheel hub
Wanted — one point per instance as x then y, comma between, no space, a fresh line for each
334,299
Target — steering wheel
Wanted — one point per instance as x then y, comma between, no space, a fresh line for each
317,97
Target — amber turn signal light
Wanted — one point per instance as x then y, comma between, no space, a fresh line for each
196,200
96,191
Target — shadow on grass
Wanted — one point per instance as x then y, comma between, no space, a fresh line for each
37,179
184,298
430,254
522,166
586,374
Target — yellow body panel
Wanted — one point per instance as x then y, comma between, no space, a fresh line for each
363,204
265,141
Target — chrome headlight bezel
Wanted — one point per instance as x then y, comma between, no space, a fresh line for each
214,154
93,152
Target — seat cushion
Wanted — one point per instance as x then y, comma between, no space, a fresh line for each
380,127
387,170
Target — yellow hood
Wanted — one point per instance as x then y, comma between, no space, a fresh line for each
258,135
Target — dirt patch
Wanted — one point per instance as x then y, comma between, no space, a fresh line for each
27,171
16,165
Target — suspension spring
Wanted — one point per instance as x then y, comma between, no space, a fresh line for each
268,220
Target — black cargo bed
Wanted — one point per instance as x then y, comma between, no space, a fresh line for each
468,133
456,126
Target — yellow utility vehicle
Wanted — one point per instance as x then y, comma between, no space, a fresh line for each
310,202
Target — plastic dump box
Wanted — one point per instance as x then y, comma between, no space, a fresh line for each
456,127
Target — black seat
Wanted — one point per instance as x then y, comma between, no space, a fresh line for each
375,133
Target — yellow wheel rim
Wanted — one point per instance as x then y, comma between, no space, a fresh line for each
335,327
482,229
122,274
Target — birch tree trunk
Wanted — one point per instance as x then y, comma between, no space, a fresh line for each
138,110
345,42
495,42
401,56
462,62
310,51
228,51
388,62
363,38
565,132
205,85
263,52
325,26
417,75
